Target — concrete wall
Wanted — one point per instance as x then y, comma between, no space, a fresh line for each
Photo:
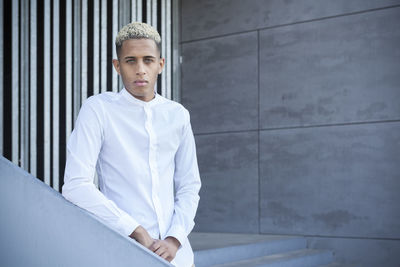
295,107
39,227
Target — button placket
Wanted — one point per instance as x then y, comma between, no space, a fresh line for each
153,166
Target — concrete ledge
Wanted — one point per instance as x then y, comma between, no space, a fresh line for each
40,228
221,248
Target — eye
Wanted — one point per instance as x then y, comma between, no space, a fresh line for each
148,60
130,60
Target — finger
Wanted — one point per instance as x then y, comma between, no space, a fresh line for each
156,245
166,256
171,256
160,251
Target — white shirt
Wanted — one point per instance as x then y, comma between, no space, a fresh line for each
143,152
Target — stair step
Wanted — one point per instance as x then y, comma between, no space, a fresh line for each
299,258
219,248
336,264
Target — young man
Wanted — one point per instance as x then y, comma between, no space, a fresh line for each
143,150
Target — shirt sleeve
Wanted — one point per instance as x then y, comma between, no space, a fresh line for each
83,149
187,185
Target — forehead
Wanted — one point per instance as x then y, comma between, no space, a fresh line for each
139,48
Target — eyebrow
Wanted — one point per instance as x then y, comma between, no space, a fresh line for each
130,57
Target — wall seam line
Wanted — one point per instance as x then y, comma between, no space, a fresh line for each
329,125
300,127
354,237
289,24
227,132
335,237
258,132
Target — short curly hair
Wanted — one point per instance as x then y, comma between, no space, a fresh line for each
137,30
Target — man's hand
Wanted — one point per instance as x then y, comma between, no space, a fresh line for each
142,236
167,248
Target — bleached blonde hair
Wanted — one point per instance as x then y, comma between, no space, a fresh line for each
137,30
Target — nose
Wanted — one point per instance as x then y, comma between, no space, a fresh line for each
140,69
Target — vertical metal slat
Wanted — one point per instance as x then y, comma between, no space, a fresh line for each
148,11
154,13
68,70
114,35
123,13
151,11
168,52
104,64
96,46
15,83
133,10
139,16
1,74
84,51
77,59
47,78
56,96
175,73
24,76
123,19
163,48
22,129
33,88
96,56
166,48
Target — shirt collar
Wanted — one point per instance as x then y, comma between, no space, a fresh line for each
134,100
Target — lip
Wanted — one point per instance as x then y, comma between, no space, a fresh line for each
141,82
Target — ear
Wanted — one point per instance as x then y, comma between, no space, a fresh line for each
116,65
162,63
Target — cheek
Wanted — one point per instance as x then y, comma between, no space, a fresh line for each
127,72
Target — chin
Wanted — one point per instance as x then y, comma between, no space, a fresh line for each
140,92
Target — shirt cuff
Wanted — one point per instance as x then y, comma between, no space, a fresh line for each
127,225
178,232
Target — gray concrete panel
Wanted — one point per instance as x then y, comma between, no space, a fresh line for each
228,166
335,181
38,227
361,252
220,83
206,18
339,70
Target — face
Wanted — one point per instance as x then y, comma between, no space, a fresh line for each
139,64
